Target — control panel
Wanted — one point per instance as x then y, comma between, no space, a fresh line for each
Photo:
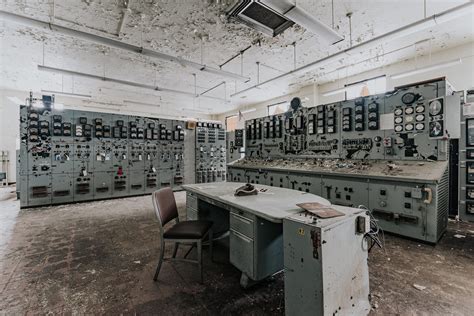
72,156
466,159
210,152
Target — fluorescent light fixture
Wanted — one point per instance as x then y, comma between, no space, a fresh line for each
303,18
426,69
16,100
141,103
343,89
248,111
68,94
120,81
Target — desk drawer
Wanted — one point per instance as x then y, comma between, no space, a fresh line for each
191,214
191,200
242,224
241,252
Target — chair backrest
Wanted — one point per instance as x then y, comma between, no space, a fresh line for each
165,205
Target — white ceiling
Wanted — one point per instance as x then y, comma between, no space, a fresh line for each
181,27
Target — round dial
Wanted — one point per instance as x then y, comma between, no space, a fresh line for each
435,129
420,109
398,120
435,107
398,111
398,128
408,98
372,115
420,117
409,118
409,127
419,126
409,110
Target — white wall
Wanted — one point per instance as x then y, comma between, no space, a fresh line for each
9,131
309,96
10,118
461,76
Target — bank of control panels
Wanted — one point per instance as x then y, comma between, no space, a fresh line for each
466,159
371,151
210,152
70,156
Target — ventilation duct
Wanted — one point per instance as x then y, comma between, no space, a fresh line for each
272,17
260,17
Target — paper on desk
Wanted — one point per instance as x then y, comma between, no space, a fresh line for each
320,210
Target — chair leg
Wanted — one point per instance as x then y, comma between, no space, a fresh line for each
175,250
199,253
210,245
162,254
189,251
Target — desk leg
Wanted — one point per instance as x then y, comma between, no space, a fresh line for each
246,282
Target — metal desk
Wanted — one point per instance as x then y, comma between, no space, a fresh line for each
254,222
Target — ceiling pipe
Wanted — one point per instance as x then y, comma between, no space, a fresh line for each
212,88
420,25
124,82
28,21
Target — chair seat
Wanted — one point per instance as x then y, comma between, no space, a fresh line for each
188,230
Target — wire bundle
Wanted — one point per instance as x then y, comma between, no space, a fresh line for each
372,235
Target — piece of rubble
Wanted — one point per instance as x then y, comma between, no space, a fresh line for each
419,287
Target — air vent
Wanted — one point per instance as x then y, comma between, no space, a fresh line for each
259,17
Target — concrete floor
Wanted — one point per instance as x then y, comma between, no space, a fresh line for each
99,257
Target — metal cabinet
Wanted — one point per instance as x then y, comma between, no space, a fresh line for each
256,246
62,188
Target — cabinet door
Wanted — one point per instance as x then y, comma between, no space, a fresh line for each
241,253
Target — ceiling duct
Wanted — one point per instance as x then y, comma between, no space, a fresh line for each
272,17
260,17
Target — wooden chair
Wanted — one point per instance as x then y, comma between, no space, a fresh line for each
185,232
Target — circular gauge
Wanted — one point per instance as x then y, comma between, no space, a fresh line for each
398,120
435,107
409,110
372,115
420,126
409,118
435,129
420,117
420,109
408,98
398,128
398,111
409,127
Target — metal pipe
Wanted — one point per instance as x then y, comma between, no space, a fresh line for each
12,17
124,82
210,89
235,56
433,20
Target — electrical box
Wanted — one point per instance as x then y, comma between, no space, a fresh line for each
332,253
